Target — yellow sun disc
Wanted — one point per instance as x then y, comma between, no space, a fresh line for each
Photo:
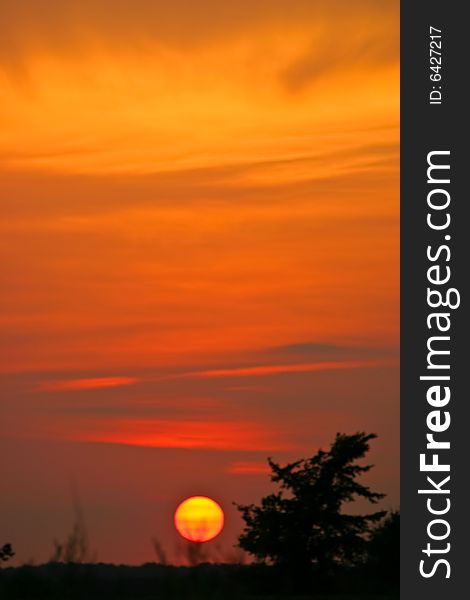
199,519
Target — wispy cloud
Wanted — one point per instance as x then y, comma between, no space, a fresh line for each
215,435
325,351
263,370
248,468
63,385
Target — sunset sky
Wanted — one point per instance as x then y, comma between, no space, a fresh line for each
199,231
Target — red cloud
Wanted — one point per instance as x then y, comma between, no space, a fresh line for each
248,468
263,370
217,435
58,385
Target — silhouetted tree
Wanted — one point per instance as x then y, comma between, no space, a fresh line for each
384,550
302,527
6,552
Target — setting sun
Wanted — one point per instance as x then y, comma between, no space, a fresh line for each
199,519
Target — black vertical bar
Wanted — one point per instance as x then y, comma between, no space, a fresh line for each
425,128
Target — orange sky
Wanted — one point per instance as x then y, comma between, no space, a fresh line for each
200,241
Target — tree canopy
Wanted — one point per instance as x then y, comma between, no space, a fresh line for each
303,525
6,552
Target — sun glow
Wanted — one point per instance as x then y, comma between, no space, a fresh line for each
199,519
